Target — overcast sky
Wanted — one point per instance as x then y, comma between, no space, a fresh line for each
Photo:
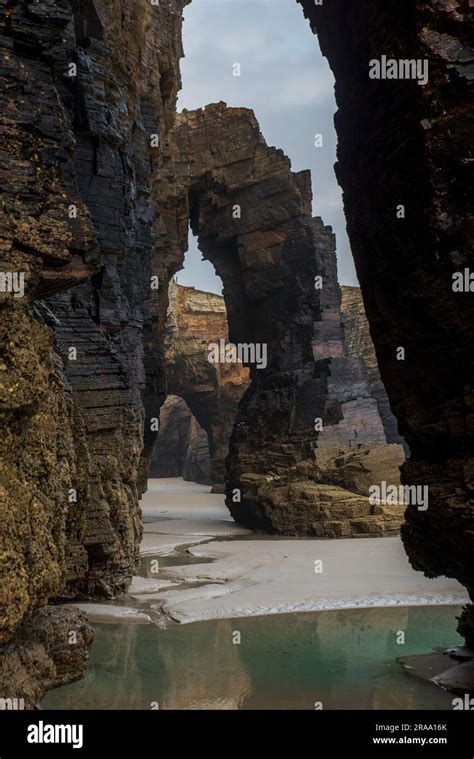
285,80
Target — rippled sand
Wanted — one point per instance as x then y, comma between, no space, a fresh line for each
251,577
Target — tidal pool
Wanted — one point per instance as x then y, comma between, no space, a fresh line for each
344,659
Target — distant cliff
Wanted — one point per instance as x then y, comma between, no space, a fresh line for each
359,344
211,391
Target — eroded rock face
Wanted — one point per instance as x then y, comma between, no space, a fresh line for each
88,94
359,345
97,191
253,218
212,391
401,143
182,446
49,650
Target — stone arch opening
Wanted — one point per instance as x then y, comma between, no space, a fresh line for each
253,217
197,320
182,445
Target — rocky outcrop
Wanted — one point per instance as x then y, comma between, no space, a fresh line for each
403,164
252,215
50,649
352,453
182,447
88,93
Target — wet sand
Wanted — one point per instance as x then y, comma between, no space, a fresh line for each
268,576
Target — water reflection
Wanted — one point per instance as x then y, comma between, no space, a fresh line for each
345,659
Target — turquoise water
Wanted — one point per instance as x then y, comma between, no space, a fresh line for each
344,659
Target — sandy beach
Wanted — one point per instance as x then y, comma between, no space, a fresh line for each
260,575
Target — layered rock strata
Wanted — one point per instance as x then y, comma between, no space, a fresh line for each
252,215
195,321
88,93
404,167
97,190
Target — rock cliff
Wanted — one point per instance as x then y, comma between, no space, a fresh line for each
252,214
98,184
405,169
88,93
212,391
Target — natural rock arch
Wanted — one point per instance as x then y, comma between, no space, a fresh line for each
252,215
253,219
182,445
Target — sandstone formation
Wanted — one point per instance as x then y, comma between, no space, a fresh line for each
212,392
88,93
252,215
404,144
182,446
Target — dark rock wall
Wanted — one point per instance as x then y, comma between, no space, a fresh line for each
120,103
88,93
267,264
403,143
182,446
253,219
